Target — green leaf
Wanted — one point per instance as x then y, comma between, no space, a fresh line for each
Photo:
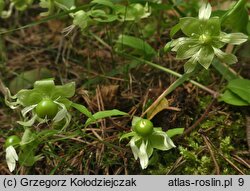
241,87
175,131
127,135
132,12
47,133
233,99
65,4
83,110
236,18
104,114
137,44
47,4
175,29
224,70
102,16
21,5
26,79
28,137
27,157
107,3
162,105
1,6
168,47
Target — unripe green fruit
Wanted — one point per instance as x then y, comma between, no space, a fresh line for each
46,108
144,127
12,141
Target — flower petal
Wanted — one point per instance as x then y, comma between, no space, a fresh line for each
225,57
28,123
11,158
143,156
191,26
150,150
27,109
67,121
205,11
67,90
233,38
62,112
29,97
133,146
187,50
190,65
45,87
161,141
206,56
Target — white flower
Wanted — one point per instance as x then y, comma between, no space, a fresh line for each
11,157
142,148
205,11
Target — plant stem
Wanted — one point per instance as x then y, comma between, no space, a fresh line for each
234,9
171,88
167,70
46,19
177,9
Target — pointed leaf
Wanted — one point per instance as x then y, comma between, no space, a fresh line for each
26,79
65,4
104,114
241,87
127,135
233,99
175,131
107,3
162,105
137,44
224,70
174,30
83,110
